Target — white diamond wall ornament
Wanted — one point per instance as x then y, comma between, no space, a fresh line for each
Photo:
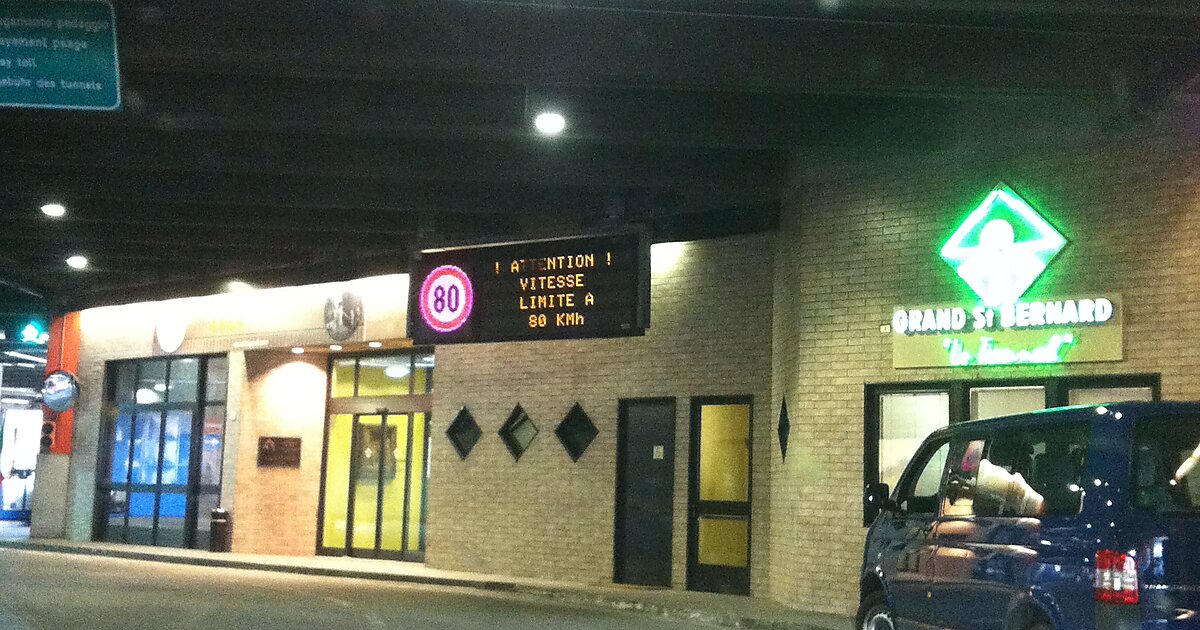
1002,247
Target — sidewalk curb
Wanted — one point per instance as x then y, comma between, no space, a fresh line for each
565,594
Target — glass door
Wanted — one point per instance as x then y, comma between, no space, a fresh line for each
719,497
370,459
375,476
150,466
164,449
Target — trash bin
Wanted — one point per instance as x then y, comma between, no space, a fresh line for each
221,530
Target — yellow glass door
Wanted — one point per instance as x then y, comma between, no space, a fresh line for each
335,512
392,513
719,497
372,460
403,513
376,472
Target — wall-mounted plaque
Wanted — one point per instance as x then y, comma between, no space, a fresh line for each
278,452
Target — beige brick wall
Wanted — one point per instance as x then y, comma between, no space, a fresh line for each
283,395
548,517
855,244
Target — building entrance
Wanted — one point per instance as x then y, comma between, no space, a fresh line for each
376,457
163,451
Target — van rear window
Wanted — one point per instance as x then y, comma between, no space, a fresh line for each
1167,464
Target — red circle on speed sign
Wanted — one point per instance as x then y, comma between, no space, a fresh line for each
446,299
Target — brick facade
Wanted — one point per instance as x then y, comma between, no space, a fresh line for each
855,244
547,517
283,395
795,314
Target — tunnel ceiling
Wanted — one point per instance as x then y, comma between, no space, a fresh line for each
285,142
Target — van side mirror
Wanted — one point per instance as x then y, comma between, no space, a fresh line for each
876,498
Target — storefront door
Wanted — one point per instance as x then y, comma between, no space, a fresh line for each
719,496
376,458
163,452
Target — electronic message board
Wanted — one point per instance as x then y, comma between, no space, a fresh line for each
568,288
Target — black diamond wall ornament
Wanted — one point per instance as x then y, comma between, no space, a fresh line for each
785,429
464,432
518,432
576,432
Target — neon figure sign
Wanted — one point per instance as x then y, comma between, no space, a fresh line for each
1000,251
989,254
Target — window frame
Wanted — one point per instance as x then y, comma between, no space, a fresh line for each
1057,390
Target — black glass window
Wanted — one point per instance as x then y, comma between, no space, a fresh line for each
1166,463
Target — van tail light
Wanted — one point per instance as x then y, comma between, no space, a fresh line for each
1116,578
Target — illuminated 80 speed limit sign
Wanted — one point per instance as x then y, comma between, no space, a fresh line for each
446,299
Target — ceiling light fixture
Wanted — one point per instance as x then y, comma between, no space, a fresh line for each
376,344
396,371
335,347
550,123
77,262
237,286
55,210
297,350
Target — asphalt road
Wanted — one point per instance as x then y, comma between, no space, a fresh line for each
58,591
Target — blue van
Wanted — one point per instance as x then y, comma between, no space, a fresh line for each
1070,518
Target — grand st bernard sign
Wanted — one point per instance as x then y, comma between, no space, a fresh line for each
1000,251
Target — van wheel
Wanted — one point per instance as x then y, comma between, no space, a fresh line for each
874,614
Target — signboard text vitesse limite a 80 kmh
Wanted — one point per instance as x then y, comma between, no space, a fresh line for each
570,288
59,54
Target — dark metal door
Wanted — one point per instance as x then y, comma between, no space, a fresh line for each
645,492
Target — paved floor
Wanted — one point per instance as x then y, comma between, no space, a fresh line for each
57,591
719,610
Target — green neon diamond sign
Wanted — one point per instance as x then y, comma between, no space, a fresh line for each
1002,248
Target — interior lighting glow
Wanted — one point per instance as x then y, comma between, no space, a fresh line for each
550,123
55,210
396,371
375,344
14,401
146,396
665,257
297,350
335,347
237,286
77,262
27,357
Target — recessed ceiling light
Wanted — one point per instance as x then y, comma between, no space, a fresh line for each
77,262
376,344
236,286
54,210
297,350
335,347
550,123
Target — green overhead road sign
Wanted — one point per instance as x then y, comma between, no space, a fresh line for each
59,54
